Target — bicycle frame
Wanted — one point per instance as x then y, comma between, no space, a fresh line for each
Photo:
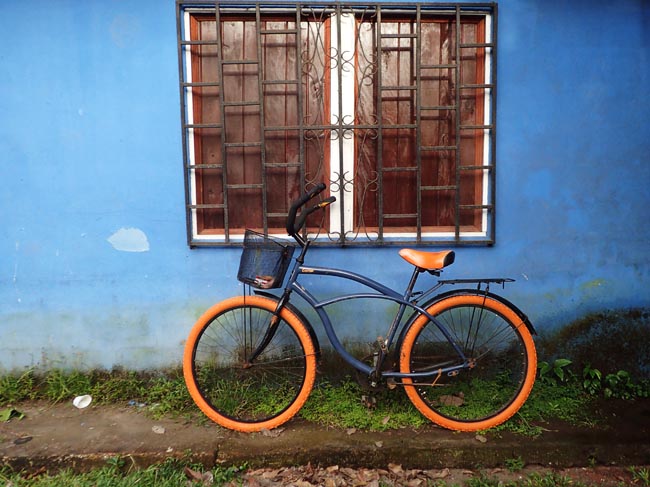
404,300
382,292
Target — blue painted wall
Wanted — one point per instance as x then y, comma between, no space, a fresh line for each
94,267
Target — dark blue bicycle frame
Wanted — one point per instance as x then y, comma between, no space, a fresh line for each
383,292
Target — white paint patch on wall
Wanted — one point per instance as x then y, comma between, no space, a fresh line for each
129,240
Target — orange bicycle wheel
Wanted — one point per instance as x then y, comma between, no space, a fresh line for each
499,348
247,396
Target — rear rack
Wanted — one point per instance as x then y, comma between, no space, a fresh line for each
487,280
418,296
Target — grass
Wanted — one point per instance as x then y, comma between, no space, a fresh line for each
514,464
552,401
170,473
533,480
162,392
342,404
339,404
347,405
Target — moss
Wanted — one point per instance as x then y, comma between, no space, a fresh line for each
610,341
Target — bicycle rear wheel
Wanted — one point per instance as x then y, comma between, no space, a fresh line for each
247,396
499,348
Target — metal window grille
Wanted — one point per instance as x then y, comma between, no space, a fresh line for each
321,58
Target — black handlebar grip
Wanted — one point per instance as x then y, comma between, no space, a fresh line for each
291,218
305,213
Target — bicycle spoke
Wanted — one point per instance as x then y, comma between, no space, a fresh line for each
497,367
243,392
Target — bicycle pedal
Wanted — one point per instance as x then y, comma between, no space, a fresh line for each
369,401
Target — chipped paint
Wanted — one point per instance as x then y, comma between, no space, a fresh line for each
129,240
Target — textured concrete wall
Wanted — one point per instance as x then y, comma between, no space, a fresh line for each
94,267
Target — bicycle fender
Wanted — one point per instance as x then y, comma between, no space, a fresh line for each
460,292
496,297
301,317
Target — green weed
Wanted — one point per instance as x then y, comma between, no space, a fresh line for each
548,480
514,464
640,476
118,386
60,385
16,388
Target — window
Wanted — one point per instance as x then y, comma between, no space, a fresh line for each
392,105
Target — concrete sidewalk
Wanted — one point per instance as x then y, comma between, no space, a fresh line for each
60,435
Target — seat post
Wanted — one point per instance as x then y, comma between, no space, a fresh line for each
414,277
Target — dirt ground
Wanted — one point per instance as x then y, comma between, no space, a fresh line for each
302,454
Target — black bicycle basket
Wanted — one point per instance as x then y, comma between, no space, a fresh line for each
264,261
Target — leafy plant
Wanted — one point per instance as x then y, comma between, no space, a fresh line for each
556,372
619,385
592,380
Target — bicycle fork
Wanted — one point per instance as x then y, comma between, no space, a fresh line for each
270,331
275,320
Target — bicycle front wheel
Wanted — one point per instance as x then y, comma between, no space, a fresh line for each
501,358
243,395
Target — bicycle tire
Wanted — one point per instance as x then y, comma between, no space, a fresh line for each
500,347
235,395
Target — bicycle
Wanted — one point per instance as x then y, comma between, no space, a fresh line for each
465,357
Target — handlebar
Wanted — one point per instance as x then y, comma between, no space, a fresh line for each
294,226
